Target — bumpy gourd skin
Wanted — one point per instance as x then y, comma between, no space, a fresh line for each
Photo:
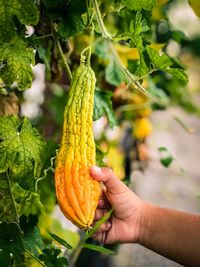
77,192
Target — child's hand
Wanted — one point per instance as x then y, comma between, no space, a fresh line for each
124,224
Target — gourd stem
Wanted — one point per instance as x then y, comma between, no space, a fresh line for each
83,58
12,198
57,42
104,32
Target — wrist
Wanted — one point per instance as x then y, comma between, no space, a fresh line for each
145,222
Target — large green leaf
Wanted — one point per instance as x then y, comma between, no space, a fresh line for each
18,59
26,12
21,146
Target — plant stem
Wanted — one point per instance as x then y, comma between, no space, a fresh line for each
57,43
35,258
134,107
129,75
104,32
12,198
147,74
182,124
43,36
76,254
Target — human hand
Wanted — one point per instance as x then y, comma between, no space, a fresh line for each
124,224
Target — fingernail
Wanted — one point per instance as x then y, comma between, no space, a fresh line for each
108,224
96,169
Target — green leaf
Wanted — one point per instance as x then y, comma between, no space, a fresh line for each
26,12
11,244
166,161
70,26
103,104
68,16
60,240
70,236
138,26
114,74
97,225
161,62
166,157
31,235
27,202
139,4
6,208
164,63
178,74
101,49
21,146
100,154
99,249
51,258
18,60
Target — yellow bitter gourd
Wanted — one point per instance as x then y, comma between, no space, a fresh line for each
77,192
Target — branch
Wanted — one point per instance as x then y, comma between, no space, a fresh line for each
104,32
131,78
57,43
12,198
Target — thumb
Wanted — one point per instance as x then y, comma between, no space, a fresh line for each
113,184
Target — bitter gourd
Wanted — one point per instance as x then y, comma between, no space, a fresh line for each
77,192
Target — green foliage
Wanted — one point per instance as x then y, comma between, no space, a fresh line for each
51,258
114,74
24,10
21,146
11,244
68,16
166,157
164,63
18,59
32,240
138,5
99,249
60,240
27,202
103,105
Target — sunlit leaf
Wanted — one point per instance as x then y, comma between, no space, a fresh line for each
60,240
99,249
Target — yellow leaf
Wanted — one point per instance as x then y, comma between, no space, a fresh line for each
157,13
127,53
195,4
